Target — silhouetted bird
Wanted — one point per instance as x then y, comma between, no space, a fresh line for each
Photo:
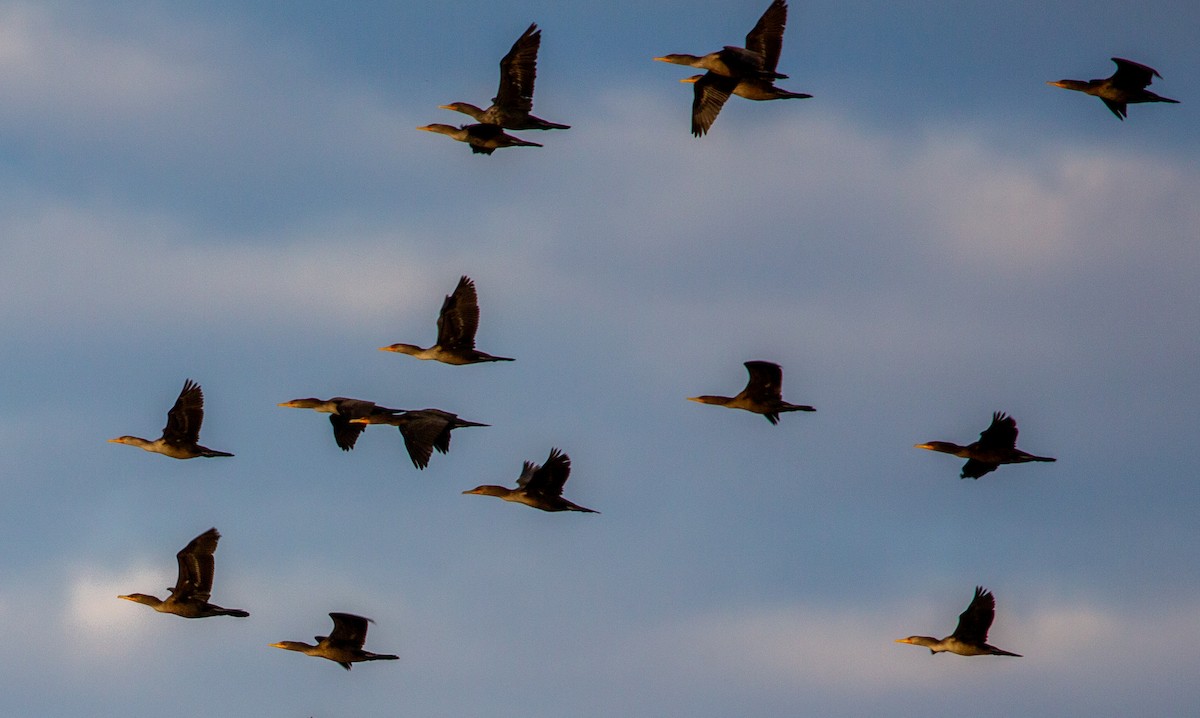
193,586
538,486
970,636
457,323
1127,86
423,430
514,99
343,645
484,139
762,395
182,432
997,445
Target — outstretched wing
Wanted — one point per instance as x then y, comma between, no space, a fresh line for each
196,567
973,623
766,381
1132,75
549,478
348,629
1002,434
518,70
710,94
184,419
767,36
459,318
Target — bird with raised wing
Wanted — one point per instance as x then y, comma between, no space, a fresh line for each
970,636
180,437
514,99
997,445
343,645
1126,86
457,324
538,486
762,395
193,585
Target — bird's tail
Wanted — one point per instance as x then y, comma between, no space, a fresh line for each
239,613
213,452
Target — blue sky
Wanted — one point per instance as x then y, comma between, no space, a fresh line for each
237,194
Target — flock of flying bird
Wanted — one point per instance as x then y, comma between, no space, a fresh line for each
748,72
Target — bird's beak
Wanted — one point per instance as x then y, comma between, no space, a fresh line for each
427,128
116,441
288,404
693,398
903,640
922,446
691,79
445,107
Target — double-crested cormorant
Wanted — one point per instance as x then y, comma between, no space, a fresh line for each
423,430
762,394
193,586
1126,86
182,432
341,410
750,61
484,139
713,90
970,637
343,645
997,445
514,100
539,486
456,324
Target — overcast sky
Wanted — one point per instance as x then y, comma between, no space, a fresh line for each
236,193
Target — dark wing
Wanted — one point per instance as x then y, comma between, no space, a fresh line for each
549,478
1118,108
766,382
424,431
459,318
518,70
710,94
1132,75
184,419
345,433
348,629
527,472
974,468
196,567
973,623
1002,434
767,36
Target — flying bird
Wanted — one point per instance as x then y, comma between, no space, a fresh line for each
181,435
762,395
712,89
341,411
538,486
749,61
970,636
997,445
514,99
343,645
193,586
484,139
423,430
1127,86
457,323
